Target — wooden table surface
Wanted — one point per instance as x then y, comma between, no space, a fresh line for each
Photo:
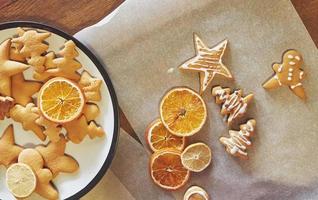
73,15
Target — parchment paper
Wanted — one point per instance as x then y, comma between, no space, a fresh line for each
148,37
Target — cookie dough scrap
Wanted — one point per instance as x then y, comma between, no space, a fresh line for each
8,68
9,151
208,62
44,186
234,105
27,115
90,86
288,73
239,141
5,104
23,90
56,159
65,66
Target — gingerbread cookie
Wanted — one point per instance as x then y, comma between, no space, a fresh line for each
239,141
208,62
65,66
9,151
52,129
79,128
91,111
15,53
44,176
90,86
56,159
27,116
288,73
8,68
32,41
233,105
22,90
5,104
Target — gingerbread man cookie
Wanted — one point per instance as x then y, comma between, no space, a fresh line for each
288,73
208,62
44,187
239,141
233,105
9,151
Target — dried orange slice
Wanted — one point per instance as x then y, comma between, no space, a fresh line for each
158,137
196,157
167,170
60,100
21,180
196,193
183,111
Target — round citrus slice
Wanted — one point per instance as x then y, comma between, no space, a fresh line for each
196,157
21,180
60,100
167,170
158,137
196,193
183,111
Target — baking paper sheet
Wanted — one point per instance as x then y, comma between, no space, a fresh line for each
147,38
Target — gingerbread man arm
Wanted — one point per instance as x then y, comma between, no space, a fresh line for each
276,67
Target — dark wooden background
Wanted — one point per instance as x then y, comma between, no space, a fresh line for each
73,15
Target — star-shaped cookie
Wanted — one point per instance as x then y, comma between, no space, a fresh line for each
8,68
27,86
8,150
208,62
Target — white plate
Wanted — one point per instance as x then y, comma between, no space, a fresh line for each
94,156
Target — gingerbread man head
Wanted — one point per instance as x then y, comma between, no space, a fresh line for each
293,58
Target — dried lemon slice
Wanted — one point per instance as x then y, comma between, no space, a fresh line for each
21,180
196,157
196,193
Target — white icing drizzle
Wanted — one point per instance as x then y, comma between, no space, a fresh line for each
301,74
276,77
290,56
280,68
297,85
233,104
238,140
292,63
290,69
297,57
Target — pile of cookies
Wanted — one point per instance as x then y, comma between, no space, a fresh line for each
59,104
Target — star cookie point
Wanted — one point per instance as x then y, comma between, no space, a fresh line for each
208,62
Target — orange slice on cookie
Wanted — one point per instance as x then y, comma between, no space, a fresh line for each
158,137
183,111
167,170
60,100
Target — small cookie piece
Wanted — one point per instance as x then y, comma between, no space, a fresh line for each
5,104
37,62
90,86
234,105
44,176
288,73
56,159
208,62
79,128
239,141
91,111
27,116
52,130
66,65
8,68
22,90
49,57
9,151
33,43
